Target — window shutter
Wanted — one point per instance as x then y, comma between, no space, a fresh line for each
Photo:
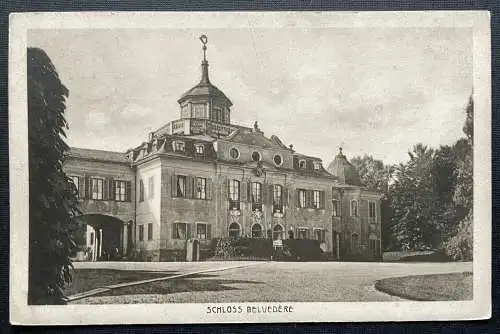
174,186
285,196
174,228
111,185
209,231
309,199
322,199
298,197
105,189
225,185
209,189
81,187
249,191
87,186
243,191
189,187
189,228
128,191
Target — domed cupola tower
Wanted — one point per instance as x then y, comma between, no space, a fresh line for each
344,170
205,100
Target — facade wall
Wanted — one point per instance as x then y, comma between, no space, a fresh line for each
164,209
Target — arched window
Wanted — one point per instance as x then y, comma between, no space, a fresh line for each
277,232
234,230
256,231
277,198
355,242
354,208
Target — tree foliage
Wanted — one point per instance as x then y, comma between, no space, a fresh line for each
428,197
52,197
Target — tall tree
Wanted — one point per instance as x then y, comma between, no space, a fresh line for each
52,197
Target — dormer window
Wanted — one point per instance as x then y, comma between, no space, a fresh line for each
178,146
199,148
302,164
317,165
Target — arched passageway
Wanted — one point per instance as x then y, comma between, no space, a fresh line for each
105,237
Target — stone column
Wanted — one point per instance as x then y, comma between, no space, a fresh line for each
100,242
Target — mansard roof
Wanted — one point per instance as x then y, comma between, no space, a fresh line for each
85,153
255,138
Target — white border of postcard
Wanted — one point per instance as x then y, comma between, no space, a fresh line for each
21,313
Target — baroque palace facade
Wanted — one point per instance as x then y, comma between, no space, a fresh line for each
202,177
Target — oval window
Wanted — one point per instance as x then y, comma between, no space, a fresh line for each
278,160
256,156
234,153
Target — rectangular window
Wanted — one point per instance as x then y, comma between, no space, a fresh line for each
141,232
201,231
120,190
199,110
354,208
76,182
319,234
335,208
277,198
150,231
200,186
316,199
371,209
97,188
199,149
151,187
301,193
181,186
256,196
178,146
141,190
179,231
234,194
302,233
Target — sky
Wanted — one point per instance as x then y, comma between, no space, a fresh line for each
376,91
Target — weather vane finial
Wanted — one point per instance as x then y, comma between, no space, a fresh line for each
204,41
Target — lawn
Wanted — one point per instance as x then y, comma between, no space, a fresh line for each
438,287
88,279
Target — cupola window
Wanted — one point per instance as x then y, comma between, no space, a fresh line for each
199,110
278,160
256,156
234,153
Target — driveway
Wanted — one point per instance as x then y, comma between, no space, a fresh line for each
270,282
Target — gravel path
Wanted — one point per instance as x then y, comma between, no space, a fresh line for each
277,281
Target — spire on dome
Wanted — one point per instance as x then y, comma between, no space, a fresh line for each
204,63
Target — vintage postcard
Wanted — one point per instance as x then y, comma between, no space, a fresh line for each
205,167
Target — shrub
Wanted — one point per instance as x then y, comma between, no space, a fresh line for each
460,246
243,247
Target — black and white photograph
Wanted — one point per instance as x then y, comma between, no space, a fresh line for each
250,167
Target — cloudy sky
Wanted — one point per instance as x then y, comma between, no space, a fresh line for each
372,91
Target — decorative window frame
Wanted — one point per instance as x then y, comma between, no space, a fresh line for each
237,151
199,148
281,158
260,156
181,148
302,164
354,214
240,231
261,230
317,165
374,217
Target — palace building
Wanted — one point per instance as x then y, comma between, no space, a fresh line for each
202,177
